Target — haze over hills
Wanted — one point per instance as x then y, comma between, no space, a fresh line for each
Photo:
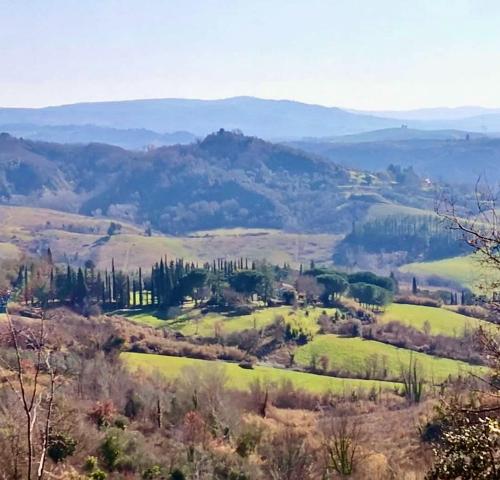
445,159
402,133
147,121
254,116
131,138
432,113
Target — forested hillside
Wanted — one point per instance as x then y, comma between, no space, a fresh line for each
226,180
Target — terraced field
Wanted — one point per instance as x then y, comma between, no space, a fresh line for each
441,320
241,379
193,322
357,356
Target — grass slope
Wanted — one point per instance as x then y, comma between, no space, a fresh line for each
193,322
241,379
441,320
465,270
385,209
355,355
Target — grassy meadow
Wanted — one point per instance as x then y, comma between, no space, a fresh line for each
193,322
241,379
357,356
441,320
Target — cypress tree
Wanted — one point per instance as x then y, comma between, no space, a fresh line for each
113,294
25,277
51,285
80,290
127,293
153,287
140,288
414,286
49,257
134,293
103,293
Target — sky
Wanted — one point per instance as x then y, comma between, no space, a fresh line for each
370,55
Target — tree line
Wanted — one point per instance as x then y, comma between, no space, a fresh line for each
169,283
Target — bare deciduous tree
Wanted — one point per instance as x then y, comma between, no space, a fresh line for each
33,381
341,443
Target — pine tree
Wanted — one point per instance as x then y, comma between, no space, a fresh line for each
414,286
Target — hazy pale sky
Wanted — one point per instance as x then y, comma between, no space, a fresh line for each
365,54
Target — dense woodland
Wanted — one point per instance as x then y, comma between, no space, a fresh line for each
414,238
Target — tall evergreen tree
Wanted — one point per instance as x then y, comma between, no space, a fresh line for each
80,289
414,286
141,302
113,280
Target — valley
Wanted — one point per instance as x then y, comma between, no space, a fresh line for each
249,240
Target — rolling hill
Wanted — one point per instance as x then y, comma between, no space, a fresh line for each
76,238
227,180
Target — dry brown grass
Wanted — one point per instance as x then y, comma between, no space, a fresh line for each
76,238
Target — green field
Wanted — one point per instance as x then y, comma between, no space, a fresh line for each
466,270
356,356
241,379
193,322
441,320
385,209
